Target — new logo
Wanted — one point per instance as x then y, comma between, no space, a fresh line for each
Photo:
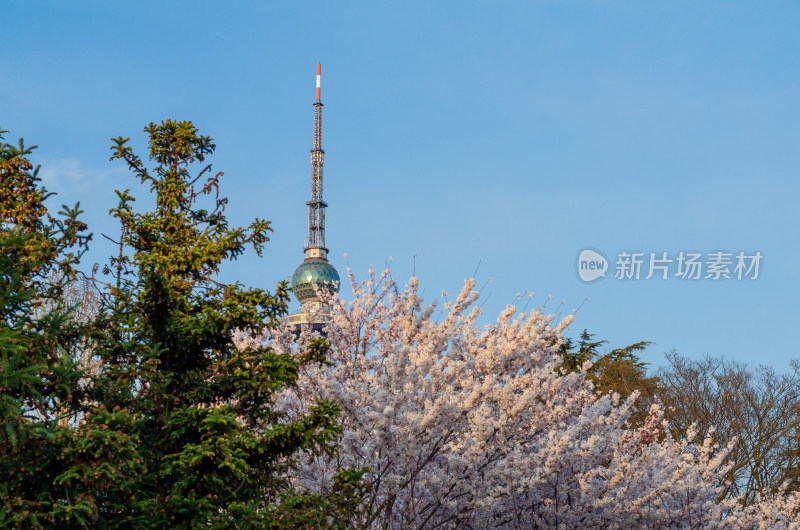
591,265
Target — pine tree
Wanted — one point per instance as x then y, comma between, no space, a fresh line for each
205,445
619,370
40,384
173,426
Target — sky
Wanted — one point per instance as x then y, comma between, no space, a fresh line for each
490,138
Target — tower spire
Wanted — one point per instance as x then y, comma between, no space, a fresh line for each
316,206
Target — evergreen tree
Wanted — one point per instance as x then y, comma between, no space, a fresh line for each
173,426
619,370
205,445
40,384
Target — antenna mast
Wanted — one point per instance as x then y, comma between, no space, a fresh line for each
316,206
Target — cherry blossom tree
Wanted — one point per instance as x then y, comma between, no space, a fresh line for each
474,426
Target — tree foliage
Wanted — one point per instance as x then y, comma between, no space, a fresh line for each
40,387
464,425
157,396
173,426
619,370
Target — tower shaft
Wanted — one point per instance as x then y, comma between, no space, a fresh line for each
316,206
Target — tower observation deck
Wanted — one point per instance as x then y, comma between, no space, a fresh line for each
315,274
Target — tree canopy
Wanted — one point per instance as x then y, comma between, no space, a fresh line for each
177,426
40,383
151,394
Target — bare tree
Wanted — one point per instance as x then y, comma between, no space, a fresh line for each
758,407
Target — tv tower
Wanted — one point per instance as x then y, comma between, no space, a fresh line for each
315,273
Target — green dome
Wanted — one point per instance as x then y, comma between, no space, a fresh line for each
314,271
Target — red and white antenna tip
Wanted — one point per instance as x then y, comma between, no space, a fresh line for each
319,70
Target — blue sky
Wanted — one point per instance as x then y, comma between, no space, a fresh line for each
506,134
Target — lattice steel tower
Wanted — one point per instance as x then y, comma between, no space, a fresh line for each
315,273
316,206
